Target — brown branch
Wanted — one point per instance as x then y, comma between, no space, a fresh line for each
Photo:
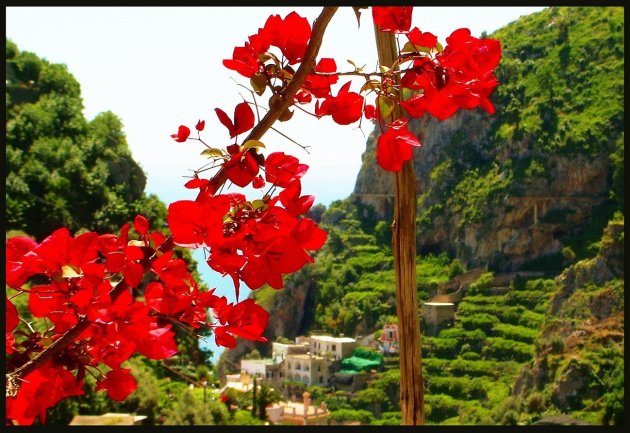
404,251
286,97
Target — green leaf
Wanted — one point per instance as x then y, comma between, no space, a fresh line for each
212,153
386,106
384,69
439,47
257,204
411,48
259,83
252,144
370,85
70,271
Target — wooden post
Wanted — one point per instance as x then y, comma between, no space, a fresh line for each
404,250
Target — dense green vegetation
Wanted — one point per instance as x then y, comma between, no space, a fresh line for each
61,169
561,98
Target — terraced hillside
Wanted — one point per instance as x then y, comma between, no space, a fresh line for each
470,367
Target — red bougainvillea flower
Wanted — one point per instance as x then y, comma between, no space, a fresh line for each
290,34
12,321
319,85
245,319
244,61
258,182
392,18
17,271
420,39
281,169
141,224
459,77
369,111
39,390
200,125
293,202
119,383
394,147
243,119
182,134
241,168
345,108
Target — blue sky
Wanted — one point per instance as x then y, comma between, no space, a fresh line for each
159,67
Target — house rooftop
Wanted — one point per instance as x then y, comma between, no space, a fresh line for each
333,339
305,356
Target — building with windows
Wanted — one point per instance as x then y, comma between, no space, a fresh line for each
307,368
388,341
335,347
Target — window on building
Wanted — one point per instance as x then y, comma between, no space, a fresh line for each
334,347
321,379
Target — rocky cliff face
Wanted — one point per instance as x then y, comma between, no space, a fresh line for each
505,189
528,220
586,324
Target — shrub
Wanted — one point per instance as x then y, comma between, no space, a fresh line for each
482,284
345,415
455,268
483,321
441,407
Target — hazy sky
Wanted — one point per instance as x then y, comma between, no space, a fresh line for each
159,67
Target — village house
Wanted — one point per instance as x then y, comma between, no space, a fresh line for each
388,341
336,347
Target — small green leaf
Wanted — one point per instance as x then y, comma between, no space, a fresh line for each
212,153
252,144
259,83
257,204
386,106
287,75
411,48
384,69
370,85
70,271
408,48
439,47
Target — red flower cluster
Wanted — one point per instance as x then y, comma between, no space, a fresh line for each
256,242
394,147
459,77
91,277
290,35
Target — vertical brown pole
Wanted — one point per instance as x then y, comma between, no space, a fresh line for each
404,250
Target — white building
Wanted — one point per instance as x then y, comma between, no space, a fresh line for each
281,350
337,347
259,368
307,368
